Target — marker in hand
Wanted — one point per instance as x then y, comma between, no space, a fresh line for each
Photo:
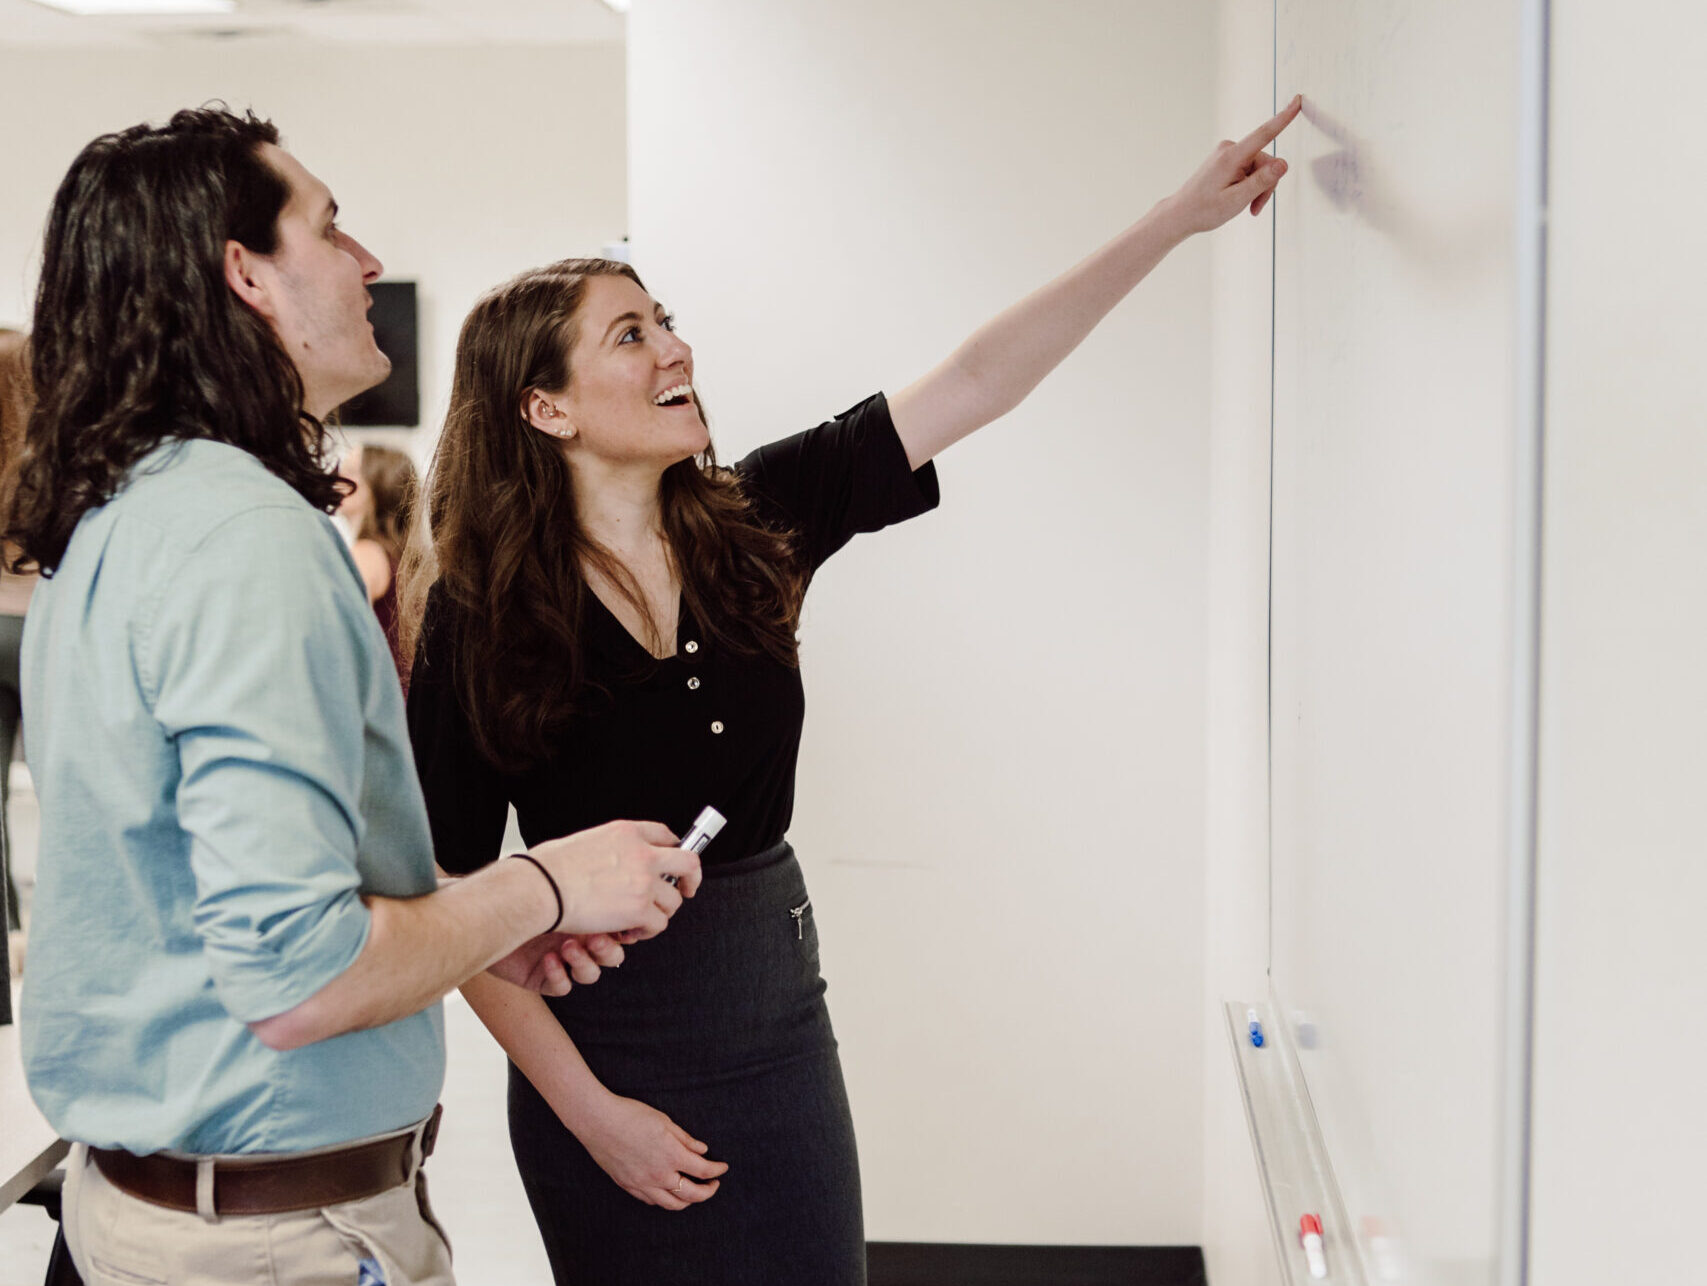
705,828
1310,1234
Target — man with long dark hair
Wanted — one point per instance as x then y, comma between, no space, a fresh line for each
238,945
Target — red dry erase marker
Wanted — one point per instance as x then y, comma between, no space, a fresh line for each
1310,1233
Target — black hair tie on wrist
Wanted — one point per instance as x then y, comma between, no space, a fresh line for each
555,891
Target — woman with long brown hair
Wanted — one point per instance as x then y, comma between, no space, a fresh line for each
610,632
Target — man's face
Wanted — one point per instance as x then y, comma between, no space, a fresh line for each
317,298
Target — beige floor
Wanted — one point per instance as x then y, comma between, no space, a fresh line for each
473,1179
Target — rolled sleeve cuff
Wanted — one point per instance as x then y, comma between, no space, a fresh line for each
261,979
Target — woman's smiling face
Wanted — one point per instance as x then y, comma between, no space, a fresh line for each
630,394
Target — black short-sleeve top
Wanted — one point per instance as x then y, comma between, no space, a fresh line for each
705,726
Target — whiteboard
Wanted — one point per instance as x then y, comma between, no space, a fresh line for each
1401,611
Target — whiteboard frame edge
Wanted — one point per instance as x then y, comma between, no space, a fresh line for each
1534,85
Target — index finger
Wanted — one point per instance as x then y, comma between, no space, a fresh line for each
1267,132
603,948
582,967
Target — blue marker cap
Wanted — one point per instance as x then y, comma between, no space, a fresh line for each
1256,1027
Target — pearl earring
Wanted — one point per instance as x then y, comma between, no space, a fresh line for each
566,432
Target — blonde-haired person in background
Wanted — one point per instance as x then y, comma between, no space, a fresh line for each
379,509
15,590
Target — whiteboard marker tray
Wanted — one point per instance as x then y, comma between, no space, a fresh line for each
1291,1161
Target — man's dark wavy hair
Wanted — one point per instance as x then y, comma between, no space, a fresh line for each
137,338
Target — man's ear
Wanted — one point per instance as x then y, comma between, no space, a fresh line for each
246,282
543,413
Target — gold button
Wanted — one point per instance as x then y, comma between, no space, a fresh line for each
693,685
691,647
717,725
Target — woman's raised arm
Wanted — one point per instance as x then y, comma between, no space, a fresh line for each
1007,357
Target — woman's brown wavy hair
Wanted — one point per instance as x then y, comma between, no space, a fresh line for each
507,550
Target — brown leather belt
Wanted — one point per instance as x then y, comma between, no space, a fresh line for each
273,1183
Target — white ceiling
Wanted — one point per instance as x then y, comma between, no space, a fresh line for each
365,22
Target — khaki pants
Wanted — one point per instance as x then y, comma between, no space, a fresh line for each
120,1240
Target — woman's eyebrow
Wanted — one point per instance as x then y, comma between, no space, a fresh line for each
626,317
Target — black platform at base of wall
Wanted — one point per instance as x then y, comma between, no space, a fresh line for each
918,1263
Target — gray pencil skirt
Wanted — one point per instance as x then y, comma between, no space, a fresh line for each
720,1023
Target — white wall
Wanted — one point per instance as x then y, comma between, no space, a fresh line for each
1619,1127
1237,1247
456,167
1001,800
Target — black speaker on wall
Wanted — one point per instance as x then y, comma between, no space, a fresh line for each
396,402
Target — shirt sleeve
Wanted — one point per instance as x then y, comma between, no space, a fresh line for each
467,802
257,661
848,475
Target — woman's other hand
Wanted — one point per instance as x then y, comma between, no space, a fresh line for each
587,955
1235,177
536,965
647,1154
551,963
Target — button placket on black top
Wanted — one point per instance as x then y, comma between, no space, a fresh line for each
690,647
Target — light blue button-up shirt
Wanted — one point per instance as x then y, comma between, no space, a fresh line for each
217,740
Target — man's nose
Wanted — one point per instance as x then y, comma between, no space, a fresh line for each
372,268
